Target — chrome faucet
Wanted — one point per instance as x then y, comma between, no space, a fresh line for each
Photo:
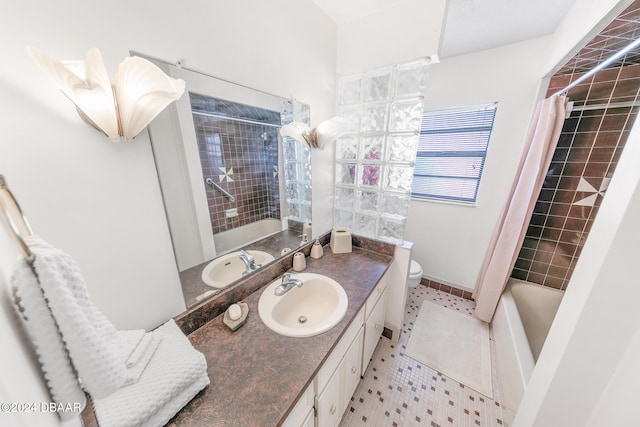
249,262
287,284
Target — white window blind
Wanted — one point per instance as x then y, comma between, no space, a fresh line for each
451,152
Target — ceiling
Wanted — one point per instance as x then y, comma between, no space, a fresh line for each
343,11
471,25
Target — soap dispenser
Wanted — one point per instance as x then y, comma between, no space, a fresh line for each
316,250
306,229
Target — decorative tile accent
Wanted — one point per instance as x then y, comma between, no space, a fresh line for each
227,175
399,391
590,200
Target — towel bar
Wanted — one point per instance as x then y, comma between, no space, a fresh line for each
9,206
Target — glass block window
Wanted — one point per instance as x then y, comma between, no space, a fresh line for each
297,164
451,152
374,162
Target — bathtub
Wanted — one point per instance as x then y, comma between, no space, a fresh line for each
519,328
227,241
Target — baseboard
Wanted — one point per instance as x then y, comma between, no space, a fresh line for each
446,288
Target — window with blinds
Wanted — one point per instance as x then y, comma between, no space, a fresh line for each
451,152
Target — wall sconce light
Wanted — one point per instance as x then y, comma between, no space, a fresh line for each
324,134
121,110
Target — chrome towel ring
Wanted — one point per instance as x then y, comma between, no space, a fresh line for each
18,224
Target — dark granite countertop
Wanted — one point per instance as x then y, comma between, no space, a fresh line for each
256,374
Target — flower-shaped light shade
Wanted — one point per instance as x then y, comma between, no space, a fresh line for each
324,134
298,131
122,110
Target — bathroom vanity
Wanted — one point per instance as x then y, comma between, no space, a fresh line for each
261,378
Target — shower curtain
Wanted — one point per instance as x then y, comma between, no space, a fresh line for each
514,219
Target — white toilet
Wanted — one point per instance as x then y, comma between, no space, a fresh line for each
415,274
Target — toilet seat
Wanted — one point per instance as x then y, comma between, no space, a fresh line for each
415,270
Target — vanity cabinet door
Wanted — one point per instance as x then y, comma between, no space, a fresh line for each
328,404
375,296
299,415
351,368
372,331
310,421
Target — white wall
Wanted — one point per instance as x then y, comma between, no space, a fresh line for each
100,201
401,32
397,276
450,239
619,399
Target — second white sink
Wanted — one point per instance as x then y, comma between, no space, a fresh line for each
315,307
229,268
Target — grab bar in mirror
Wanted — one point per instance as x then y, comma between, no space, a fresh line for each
20,225
220,189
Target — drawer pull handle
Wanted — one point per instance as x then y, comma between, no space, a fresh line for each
379,290
375,326
353,370
332,410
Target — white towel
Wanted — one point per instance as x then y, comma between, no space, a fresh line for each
141,351
138,348
170,409
43,332
140,362
91,339
175,374
130,340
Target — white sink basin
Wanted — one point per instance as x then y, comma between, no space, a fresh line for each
315,307
229,268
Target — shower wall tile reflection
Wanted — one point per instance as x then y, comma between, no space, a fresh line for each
239,155
588,150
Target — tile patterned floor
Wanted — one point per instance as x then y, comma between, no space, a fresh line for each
400,392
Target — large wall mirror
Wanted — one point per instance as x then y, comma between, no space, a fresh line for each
237,196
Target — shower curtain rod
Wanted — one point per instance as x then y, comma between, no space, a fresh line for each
600,66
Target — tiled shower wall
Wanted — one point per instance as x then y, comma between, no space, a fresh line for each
240,154
588,150
605,107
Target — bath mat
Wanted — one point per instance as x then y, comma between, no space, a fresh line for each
454,344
